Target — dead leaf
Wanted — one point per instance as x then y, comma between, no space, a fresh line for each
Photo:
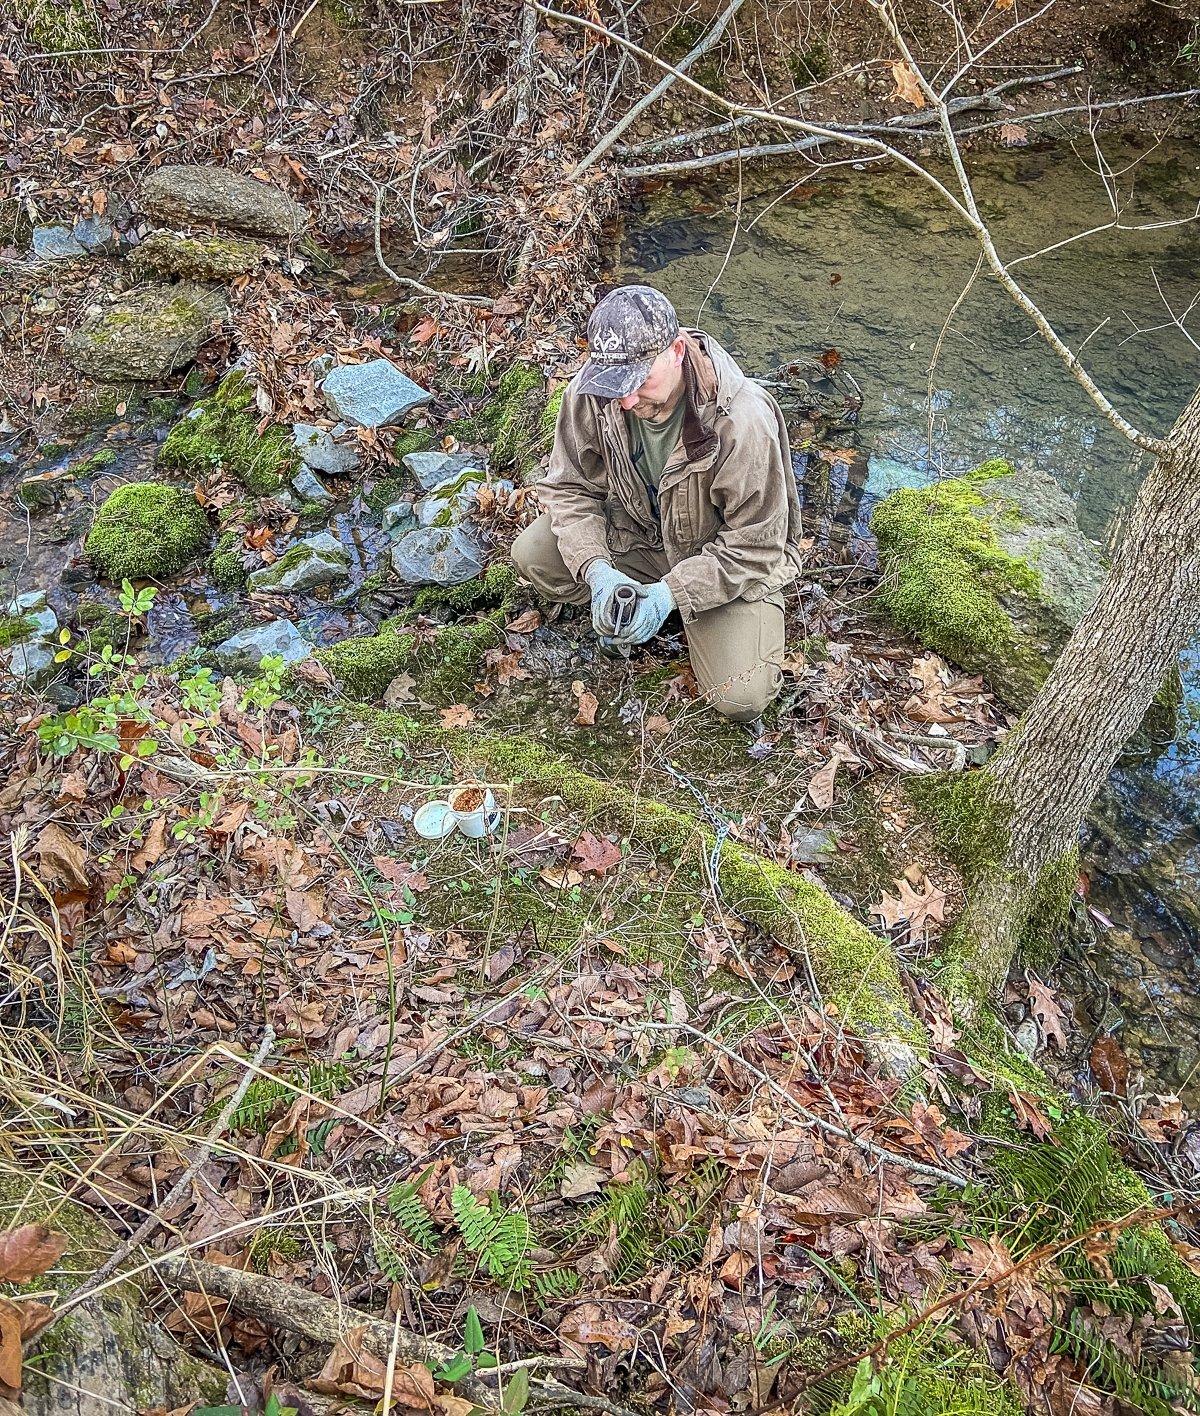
454,1405
596,853
581,1178
152,847
314,672
63,862
526,622
1013,134
29,1251
588,704
458,715
1109,1065
820,784
917,907
907,89
658,725
306,908
1029,1116
400,690
1161,1118
352,1370
18,1323
1045,1009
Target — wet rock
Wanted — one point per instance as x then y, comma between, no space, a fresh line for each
319,560
33,662
893,1056
321,450
373,393
437,556
1028,1038
180,195
400,517
34,607
245,651
167,253
811,846
55,243
39,492
97,235
450,501
147,333
309,487
432,469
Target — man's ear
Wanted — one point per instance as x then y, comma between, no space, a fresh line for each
678,348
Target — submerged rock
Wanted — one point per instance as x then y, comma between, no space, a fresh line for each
319,560
56,243
244,652
34,608
400,516
372,394
215,195
321,450
32,657
437,556
147,333
432,469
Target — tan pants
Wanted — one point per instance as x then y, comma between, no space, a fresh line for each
735,649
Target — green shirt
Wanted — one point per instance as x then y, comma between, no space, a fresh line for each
652,445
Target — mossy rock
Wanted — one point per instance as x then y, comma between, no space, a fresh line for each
221,431
167,253
514,422
146,531
101,625
990,570
497,586
148,333
446,666
226,567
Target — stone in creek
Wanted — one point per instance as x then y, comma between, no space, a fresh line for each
309,487
32,662
183,194
321,450
55,243
372,394
245,651
400,516
97,235
438,555
319,560
431,469
456,495
34,607
147,333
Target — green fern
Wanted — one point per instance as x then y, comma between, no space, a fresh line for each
499,1239
413,1220
1151,1393
265,1094
555,1284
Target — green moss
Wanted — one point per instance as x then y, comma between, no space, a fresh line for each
415,441
386,492
811,64
226,567
943,567
855,968
446,665
101,624
512,423
15,629
59,26
222,432
194,257
146,531
496,586
970,824
96,462
549,419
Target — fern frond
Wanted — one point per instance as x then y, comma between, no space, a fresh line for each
412,1218
499,1239
555,1284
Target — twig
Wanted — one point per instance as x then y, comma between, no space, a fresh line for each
482,301
706,43
178,1190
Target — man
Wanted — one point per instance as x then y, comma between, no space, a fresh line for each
671,474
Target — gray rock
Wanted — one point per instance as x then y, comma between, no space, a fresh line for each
437,556
33,662
309,487
97,235
1028,1038
457,495
321,364
147,333
400,516
321,450
373,393
319,560
431,469
811,846
55,243
34,607
892,1056
245,651
180,195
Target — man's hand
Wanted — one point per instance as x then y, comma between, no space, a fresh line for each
655,603
602,580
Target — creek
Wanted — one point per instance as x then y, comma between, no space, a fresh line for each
867,263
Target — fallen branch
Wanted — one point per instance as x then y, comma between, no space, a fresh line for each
481,301
325,1320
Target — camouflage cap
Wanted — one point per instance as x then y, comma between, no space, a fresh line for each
627,331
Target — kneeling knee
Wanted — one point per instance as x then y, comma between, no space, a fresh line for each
743,703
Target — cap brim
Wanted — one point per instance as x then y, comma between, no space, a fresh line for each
612,380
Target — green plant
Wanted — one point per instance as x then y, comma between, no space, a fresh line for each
472,1356
499,1238
264,1095
408,1211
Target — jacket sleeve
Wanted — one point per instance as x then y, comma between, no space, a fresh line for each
576,485
750,490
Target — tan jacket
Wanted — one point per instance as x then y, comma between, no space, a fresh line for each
728,502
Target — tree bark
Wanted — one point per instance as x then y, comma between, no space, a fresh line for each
1047,775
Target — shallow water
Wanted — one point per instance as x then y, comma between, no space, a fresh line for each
867,263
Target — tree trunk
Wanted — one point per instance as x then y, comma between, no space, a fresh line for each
1049,771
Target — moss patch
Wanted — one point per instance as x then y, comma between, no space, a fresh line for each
15,629
101,625
59,26
513,422
226,567
944,569
446,664
146,531
103,457
222,432
496,586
